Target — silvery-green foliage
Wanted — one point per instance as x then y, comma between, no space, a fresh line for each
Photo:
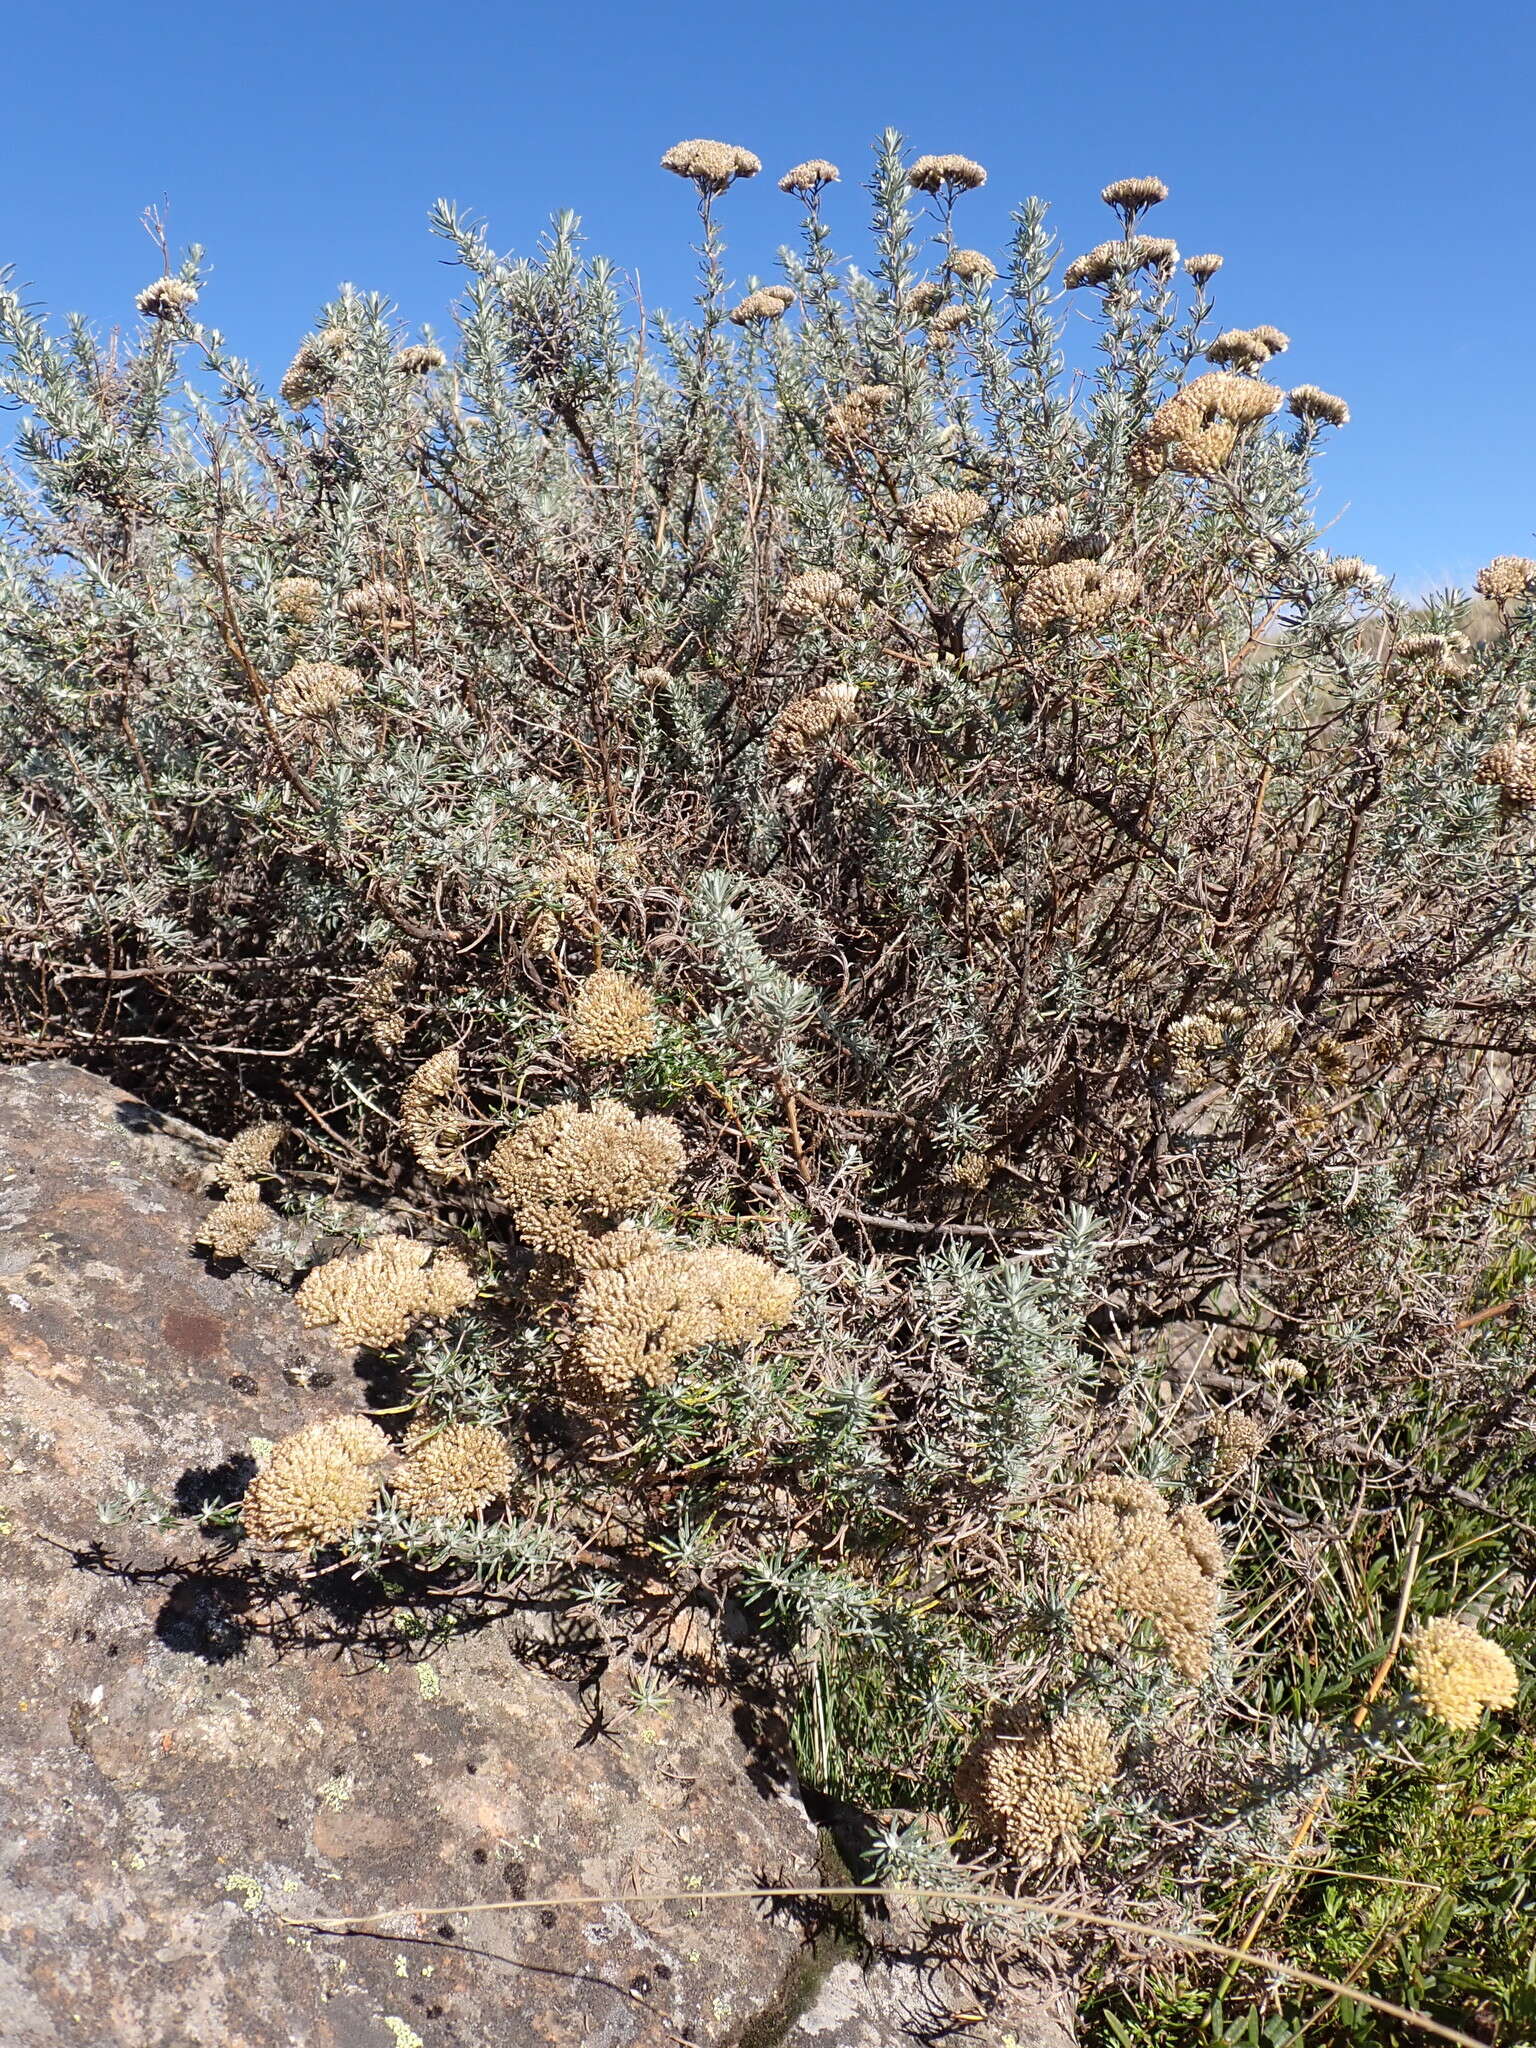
1090,1010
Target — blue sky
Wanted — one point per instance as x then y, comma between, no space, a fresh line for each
1365,169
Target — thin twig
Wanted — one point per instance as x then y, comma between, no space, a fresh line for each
358,1923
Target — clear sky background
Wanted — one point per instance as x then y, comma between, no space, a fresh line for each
1366,169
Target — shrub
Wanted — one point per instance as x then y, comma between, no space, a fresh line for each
830,785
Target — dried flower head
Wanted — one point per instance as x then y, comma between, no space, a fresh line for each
956,173
852,416
568,1175
1273,339
1196,430
1307,402
1028,1786
299,598
168,298
317,1486
315,689
233,1225
1507,578
1144,1565
419,359
1107,261
771,303
1421,647
375,1297
1235,1442
612,1018
451,1470
638,1313
631,1325
972,266
817,594
1348,572
1035,538
809,178
1456,1672
378,997
1131,196
316,369
924,300
944,512
711,165
249,1154
1511,767
1079,594
748,1296
1238,349
1204,267
376,602
806,723
433,1116
947,321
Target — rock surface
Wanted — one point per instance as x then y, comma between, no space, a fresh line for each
194,1763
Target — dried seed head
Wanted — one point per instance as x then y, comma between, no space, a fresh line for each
1242,400
817,594
771,303
1108,261
318,1485
568,1175
1203,268
1205,452
1421,647
1348,572
419,359
375,1297
376,602
1035,538
298,597
1028,1786
1144,1564
316,368
639,1311
249,1153
711,165
1456,1672
1507,578
1130,196
1238,349
1196,430
168,298
1307,402
851,416
612,1018
1273,339
948,320
315,689
1511,768
944,512
233,1225
972,266
809,178
451,1470
958,173
433,1116
1078,594
806,723
924,300
378,997
1235,1442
